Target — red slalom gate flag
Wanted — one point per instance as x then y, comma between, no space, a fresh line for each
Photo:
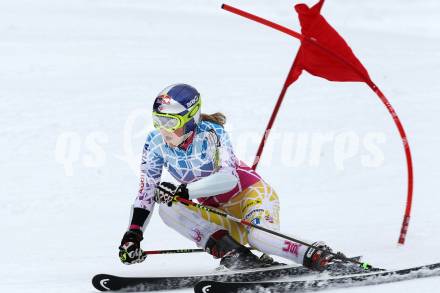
323,52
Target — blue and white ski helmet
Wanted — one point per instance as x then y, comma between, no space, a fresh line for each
181,101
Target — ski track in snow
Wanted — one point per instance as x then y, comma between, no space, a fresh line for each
92,68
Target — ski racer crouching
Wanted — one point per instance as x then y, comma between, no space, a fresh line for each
196,150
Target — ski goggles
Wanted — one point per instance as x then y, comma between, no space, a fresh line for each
172,122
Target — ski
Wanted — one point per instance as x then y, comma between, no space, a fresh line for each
105,282
363,279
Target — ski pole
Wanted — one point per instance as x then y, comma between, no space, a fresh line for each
184,201
172,251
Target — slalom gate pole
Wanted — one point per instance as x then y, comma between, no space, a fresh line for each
187,202
374,87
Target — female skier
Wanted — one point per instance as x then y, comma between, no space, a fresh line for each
196,150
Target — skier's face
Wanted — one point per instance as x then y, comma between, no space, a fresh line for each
173,138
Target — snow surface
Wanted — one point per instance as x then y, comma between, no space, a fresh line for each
77,81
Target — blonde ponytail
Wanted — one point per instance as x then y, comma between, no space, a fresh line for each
218,118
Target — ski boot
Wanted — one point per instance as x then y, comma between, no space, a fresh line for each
318,259
234,255
267,259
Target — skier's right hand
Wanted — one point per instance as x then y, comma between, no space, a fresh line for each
129,250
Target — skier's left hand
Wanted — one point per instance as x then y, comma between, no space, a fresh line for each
165,192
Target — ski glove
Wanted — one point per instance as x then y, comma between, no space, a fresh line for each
129,250
165,192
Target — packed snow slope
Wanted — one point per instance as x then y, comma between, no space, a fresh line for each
77,82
